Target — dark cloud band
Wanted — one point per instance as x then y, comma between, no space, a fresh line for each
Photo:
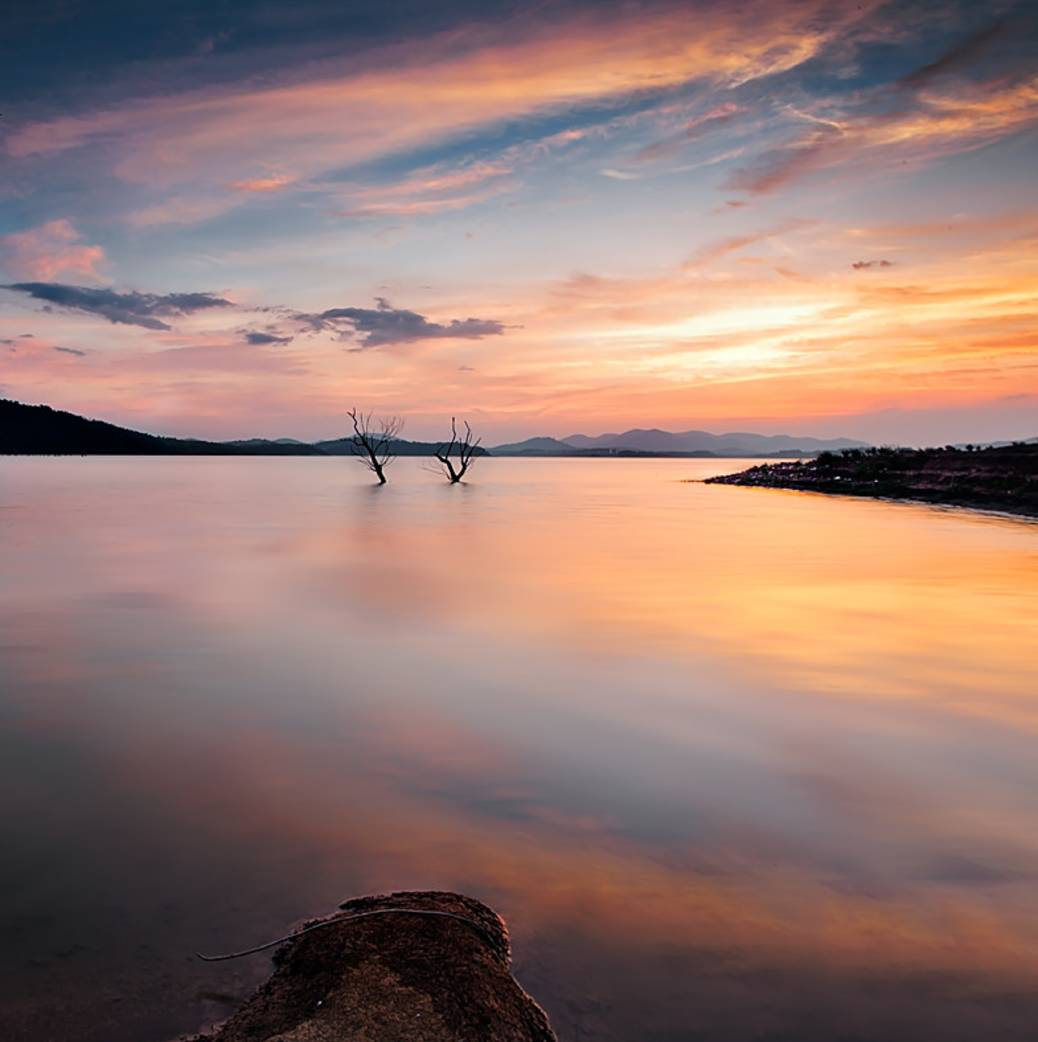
260,338
130,309
385,324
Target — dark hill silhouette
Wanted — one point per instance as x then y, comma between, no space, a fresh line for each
1000,477
39,430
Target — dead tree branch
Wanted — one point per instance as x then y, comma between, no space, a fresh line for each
373,442
464,447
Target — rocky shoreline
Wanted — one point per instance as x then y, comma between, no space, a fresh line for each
1003,478
440,974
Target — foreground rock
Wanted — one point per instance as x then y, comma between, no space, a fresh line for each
998,478
394,978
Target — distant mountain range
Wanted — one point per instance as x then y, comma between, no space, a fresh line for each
681,443
38,430
41,430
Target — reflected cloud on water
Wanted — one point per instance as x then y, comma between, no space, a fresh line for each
733,766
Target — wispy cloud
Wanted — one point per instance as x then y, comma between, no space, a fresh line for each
779,166
934,124
187,209
963,54
692,130
397,207
716,250
332,117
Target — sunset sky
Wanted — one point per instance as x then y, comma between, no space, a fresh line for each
241,218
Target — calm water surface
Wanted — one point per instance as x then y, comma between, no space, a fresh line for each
734,764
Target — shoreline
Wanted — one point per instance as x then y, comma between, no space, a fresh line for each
1001,479
976,507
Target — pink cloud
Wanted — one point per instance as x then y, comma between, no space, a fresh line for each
271,183
53,249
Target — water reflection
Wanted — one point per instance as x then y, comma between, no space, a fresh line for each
734,764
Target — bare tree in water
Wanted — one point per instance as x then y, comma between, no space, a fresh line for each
466,447
373,441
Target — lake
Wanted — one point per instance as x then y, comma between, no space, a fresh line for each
734,764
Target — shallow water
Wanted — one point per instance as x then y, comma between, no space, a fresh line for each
735,764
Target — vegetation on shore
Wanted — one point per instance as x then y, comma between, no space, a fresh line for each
1003,477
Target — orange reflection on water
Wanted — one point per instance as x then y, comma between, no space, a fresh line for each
843,597
714,752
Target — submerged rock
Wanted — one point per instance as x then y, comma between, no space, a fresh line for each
394,978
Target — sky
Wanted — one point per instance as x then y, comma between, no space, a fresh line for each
232,218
